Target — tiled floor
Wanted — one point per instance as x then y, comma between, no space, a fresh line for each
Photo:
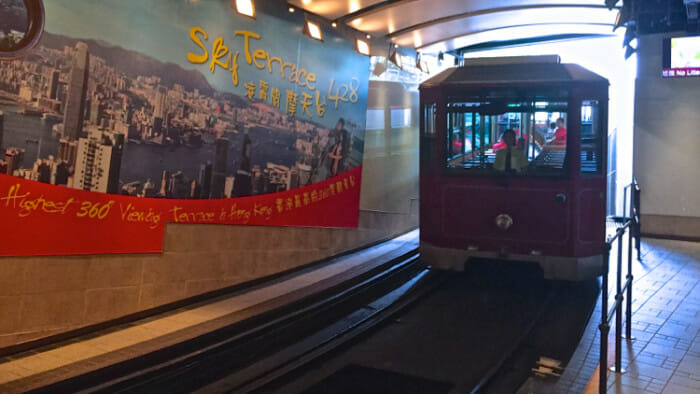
37,368
665,356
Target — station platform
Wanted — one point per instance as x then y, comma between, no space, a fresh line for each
665,355
43,366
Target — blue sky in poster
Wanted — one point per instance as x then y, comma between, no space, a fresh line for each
160,29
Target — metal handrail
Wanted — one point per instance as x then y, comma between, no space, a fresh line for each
635,208
633,225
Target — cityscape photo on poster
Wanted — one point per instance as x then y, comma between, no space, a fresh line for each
128,115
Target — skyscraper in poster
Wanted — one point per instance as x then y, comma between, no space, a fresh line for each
13,159
62,173
219,175
77,90
205,179
179,188
53,80
95,112
159,109
98,162
164,184
68,150
43,169
242,186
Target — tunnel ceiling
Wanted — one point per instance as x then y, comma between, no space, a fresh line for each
434,26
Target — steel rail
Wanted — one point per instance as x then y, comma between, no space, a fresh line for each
254,339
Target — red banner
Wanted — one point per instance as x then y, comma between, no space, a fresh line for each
42,219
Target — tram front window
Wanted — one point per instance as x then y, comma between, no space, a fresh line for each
537,128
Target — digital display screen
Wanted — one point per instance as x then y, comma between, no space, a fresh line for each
681,57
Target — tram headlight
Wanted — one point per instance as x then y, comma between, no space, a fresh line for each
504,221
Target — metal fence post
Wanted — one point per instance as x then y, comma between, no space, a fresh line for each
624,200
633,225
604,327
630,278
637,217
618,308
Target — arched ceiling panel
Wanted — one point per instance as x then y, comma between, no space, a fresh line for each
515,32
436,33
448,24
415,13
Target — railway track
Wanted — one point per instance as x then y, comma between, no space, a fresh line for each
248,355
479,332
285,350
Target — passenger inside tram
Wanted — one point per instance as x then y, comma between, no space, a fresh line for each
477,133
520,140
559,136
552,130
510,158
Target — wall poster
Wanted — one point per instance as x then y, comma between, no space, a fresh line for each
131,114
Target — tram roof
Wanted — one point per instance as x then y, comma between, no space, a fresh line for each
508,74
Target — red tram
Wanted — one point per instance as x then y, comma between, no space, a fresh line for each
512,165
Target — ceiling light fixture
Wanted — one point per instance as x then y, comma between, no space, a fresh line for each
362,47
379,66
245,8
313,30
394,55
421,64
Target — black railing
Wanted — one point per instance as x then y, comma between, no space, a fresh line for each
631,223
636,229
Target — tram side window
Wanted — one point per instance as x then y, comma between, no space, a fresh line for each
591,138
429,113
547,149
538,128
463,139
457,143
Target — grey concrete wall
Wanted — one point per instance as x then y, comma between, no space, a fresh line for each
41,296
666,145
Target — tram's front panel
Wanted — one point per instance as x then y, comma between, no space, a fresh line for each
505,179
